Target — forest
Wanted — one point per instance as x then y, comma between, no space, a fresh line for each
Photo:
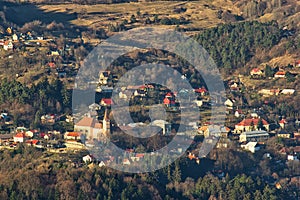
27,104
51,177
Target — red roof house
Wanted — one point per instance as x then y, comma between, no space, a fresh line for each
280,74
201,91
106,102
282,123
72,135
256,72
169,102
251,124
19,137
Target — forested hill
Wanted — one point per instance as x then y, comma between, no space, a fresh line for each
232,46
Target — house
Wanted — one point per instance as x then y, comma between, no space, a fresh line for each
15,37
238,113
147,87
269,92
48,119
137,157
297,63
292,158
284,134
287,91
251,146
54,53
280,74
19,137
168,102
52,65
199,103
223,143
87,159
5,138
101,164
140,93
72,135
126,161
29,134
164,125
254,136
8,45
282,123
104,77
125,94
256,72
251,125
254,115
106,102
209,130
104,89
94,106
229,103
202,91
40,38
234,86
32,142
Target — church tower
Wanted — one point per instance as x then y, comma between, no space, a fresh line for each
106,124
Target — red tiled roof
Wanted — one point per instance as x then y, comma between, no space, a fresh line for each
255,70
248,122
146,86
73,134
20,135
34,142
169,94
280,73
107,101
51,64
168,101
283,121
200,90
140,155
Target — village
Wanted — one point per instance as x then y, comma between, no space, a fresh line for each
248,127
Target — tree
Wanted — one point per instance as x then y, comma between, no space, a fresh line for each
269,71
177,173
132,19
290,77
260,125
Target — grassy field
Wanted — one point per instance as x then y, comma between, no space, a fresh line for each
202,14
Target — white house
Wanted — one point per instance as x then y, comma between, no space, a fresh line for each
292,157
8,45
251,146
101,164
229,103
287,91
164,125
87,159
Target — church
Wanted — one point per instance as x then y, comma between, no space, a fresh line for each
91,129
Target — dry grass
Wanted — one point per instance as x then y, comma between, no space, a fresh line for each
201,14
